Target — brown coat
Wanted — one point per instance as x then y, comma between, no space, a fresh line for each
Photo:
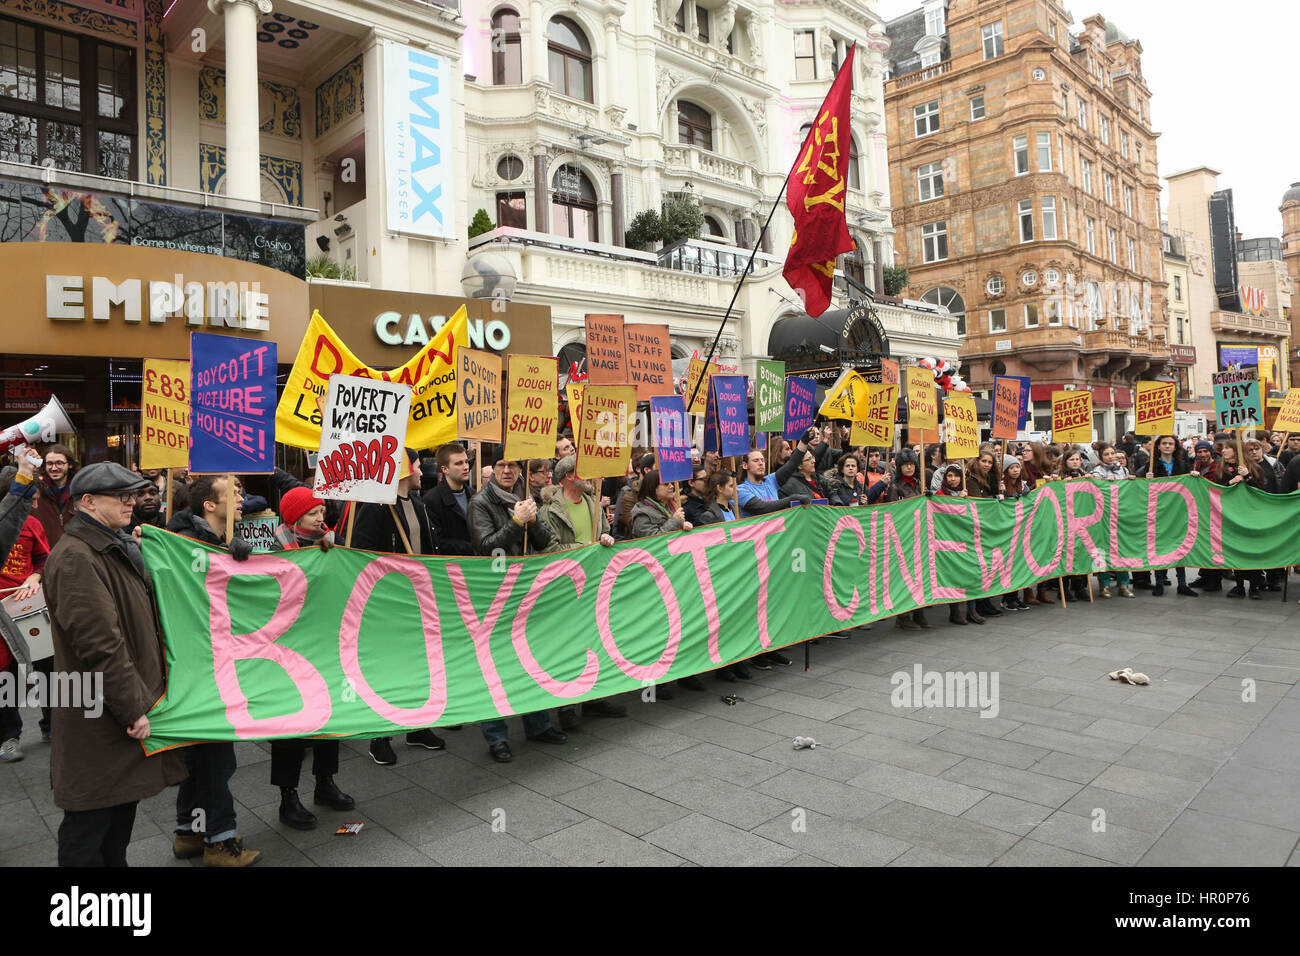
103,621
49,514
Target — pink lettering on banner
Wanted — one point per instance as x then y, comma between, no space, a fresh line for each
847,523
872,565
1216,523
480,631
1000,563
938,544
1117,560
1047,493
1077,527
229,648
585,681
639,557
695,544
350,640
757,533
1154,490
915,583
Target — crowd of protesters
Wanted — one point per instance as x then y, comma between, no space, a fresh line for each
76,532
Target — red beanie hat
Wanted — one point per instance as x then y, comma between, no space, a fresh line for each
296,502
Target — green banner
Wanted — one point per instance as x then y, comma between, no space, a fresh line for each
353,643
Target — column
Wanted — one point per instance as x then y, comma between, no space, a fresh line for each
541,199
879,263
243,150
536,33
617,214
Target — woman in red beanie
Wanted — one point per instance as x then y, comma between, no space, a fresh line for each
302,517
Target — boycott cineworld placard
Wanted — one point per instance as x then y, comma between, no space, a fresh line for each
351,643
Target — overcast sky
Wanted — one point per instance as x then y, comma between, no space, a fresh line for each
1218,75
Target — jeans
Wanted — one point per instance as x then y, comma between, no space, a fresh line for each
1162,577
1121,576
96,837
494,731
11,721
207,790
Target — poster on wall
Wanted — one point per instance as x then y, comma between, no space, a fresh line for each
417,142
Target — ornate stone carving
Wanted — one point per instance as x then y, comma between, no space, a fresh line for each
667,80
726,20
757,111
668,11
615,115
751,32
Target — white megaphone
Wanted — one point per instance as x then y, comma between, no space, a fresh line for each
44,426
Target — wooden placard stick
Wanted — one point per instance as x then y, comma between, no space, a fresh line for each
230,507
167,505
528,484
406,542
352,515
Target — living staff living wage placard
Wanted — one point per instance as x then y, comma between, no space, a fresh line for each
649,359
604,429
533,399
165,414
363,437
671,438
232,398
606,350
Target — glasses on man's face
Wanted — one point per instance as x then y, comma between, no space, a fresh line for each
55,464
126,497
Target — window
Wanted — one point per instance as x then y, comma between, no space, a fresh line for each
66,100
1044,152
1132,255
1051,29
1094,304
507,49
1031,315
1108,184
1020,149
934,22
1178,288
573,205
997,320
951,300
1065,221
1051,277
929,181
995,286
1092,235
1128,200
679,21
510,168
1083,115
926,117
569,55
702,23
977,108
712,227
694,125
1134,313
1049,217
929,58
992,40
1104,123
512,210
1065,103
934,242
1026,213
855,179
1053,311
1123,144
1112,245
805,55
1087,174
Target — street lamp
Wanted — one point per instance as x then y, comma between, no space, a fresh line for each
488,275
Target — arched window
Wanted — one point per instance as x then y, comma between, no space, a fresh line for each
507,49
855,178
950,300
569,55
573,205
712,227
1135,314
694,125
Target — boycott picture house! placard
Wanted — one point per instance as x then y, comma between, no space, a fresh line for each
1236,398
649,360
534,396
232,397
604,423
1155,408
671,441
385,643
877,429
606,350
362,440
165,414
1072,417
769,396
478,385
733,414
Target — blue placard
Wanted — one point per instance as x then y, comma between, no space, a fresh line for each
232,404
1024,399
672,439
733,413
800,406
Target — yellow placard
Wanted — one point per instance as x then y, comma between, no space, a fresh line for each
478,395
1072,417
533,401
1288,416
847,398
431,373
694,370
1155,408
876,430
961,428
922,401
165,414
604,430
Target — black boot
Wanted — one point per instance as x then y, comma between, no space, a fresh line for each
329,795
293,813
986,608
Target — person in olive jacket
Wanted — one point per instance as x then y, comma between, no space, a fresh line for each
103,621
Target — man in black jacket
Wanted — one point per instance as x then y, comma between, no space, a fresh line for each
447,502
392,528
694,504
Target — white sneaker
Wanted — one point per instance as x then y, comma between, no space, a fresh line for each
10,752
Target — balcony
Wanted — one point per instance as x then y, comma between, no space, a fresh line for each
694,162
715,56
1238,324
908,80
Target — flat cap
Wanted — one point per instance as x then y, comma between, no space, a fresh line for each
105,478
565,466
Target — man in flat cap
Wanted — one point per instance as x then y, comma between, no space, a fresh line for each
103,621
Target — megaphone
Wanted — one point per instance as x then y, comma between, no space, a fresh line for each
49,422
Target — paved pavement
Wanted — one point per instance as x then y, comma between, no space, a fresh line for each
1075,769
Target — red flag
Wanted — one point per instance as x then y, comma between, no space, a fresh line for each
816,195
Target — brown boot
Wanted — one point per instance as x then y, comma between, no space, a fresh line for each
230,853
905,622
974,616
957,614
1030,598
1042,595
918,618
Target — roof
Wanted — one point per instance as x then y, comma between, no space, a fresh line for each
904,33
1115,35
1292,194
